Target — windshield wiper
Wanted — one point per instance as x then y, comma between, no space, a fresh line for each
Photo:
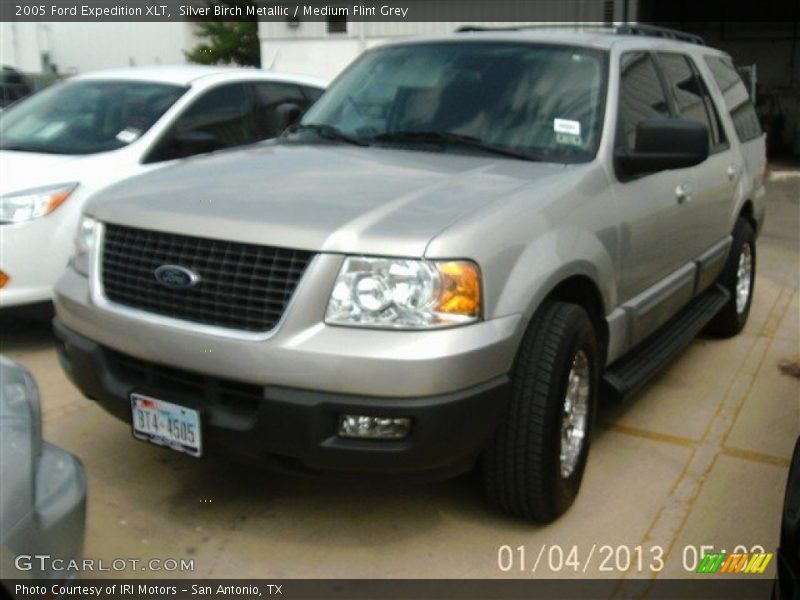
328,132
449,138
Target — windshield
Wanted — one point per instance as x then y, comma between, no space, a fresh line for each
538,100
84,117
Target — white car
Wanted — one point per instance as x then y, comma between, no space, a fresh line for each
66,142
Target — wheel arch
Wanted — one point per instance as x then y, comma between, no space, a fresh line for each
568,265
582,290
747,212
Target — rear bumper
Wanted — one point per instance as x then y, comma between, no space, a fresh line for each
295,429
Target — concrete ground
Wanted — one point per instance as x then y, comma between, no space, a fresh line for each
698,459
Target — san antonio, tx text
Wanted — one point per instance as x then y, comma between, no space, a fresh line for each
295,12
128,589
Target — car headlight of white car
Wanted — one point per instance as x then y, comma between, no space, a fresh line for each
399,293
34,203
85,240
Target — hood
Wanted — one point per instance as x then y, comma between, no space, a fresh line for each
23,170
319,197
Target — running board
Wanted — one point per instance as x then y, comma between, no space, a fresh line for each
628,374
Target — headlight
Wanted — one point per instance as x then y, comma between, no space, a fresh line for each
84,244
405,294
34,203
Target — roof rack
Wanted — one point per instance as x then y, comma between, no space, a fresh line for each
632,29
663,32
471,28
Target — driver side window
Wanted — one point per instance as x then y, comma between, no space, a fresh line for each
641,96
276,104
220,118
691,96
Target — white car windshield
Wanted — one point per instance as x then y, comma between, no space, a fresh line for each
85,116
540,101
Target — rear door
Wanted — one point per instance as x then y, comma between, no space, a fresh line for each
739,105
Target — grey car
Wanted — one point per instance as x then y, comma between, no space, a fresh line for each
43,490
460,245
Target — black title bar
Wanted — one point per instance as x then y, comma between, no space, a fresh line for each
552,11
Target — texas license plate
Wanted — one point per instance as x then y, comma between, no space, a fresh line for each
166,424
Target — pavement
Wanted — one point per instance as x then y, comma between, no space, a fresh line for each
698,459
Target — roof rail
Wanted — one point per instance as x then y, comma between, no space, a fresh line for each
471,28
632,29
663,32
577,26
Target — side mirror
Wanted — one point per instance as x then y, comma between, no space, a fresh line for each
286,115
663,144
191,142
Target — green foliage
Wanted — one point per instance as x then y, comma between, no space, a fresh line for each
228,42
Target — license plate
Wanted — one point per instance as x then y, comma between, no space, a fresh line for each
166,424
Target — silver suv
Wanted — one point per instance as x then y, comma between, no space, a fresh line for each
461,247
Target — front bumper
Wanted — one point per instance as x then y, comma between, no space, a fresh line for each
302,351
295,429
34,254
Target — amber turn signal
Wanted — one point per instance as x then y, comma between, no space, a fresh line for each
461,288
57,200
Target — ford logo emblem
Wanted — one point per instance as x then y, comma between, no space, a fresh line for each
175,277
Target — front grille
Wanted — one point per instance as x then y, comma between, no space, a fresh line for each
236,397
241,286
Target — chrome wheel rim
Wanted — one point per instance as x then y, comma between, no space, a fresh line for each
575,413
744,275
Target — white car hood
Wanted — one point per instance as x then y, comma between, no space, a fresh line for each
20,171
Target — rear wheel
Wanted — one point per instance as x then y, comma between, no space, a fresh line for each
534,466
739,278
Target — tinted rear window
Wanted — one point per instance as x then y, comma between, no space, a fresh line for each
737,100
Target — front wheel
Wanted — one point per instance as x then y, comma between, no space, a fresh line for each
739,278
534,466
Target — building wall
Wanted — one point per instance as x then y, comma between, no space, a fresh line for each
81,47
318,57
309,50
306,47
20,45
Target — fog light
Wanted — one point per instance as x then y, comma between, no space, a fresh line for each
362,426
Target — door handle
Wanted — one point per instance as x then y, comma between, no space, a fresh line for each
732,171
683,193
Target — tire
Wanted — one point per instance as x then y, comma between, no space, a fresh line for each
522,468
732,318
